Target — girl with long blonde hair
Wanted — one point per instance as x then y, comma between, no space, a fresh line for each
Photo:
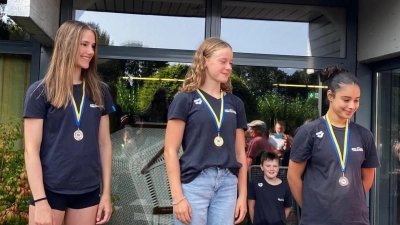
208,183
66,131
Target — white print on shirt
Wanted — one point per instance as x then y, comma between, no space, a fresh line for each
230,111
260,184
358,149
94,105
320,134
281,199
197,101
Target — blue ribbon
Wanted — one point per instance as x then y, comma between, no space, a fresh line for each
342,159
218,122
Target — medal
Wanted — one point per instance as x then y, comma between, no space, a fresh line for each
78,134
342,158
343,181
218,140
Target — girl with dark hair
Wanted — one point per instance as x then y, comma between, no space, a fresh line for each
335,157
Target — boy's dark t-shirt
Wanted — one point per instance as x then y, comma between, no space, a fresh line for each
324,200
200,152
68,166
270,201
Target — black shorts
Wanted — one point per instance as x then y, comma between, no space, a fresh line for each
63,201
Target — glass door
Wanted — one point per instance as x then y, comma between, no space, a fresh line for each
388,142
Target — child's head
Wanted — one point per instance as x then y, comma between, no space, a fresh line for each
270,164
213,60
280,127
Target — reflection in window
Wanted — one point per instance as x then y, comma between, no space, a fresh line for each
9,30
284,29
140,88
152,24
280,94
142,92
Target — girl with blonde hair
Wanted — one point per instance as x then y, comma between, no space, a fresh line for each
208,182
67,139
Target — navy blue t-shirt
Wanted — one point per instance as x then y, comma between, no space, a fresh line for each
199,150
270,201
69,166
324,200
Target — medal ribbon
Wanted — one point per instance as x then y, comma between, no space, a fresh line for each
342,159
218,122
78,114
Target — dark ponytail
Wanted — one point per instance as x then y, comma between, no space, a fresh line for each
335,77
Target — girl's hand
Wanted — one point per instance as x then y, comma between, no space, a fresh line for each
183,212
241,209
105,209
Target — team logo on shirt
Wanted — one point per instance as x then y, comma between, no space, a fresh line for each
320,134
230,111
198,101
358,149
281,199
260,184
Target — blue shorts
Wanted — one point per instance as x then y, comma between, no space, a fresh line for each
63,201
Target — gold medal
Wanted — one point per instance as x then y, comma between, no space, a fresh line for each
78,135
218,141
343,181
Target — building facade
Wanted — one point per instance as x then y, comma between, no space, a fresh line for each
145,47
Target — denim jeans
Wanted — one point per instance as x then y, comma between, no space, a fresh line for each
212,197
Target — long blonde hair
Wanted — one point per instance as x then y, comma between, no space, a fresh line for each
196,74
59,78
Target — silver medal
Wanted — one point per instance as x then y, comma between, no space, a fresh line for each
343,181
78,135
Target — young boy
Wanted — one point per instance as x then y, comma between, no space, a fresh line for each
269,197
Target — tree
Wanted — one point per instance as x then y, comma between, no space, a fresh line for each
302,77
259,79
177,71
102,35
241,90
10,30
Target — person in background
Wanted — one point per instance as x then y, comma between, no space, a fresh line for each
259,143
278,138
248,138
269,198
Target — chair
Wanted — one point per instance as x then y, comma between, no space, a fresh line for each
294,217
135,179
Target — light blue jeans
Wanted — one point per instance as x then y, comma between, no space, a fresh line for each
212,197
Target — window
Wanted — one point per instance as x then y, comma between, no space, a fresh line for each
283,29
388,144
151,24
